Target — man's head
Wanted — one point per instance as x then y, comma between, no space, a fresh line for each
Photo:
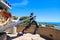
32,13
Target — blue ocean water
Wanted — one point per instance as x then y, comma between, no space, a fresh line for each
57,24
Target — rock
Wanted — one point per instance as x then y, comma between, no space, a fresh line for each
29,36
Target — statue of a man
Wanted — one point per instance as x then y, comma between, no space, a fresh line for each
32,20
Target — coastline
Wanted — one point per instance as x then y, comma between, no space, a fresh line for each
57,24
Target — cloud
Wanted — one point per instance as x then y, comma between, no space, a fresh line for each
24,2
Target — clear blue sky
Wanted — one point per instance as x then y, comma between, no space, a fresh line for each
45,10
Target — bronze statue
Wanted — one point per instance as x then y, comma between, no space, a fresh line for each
32,20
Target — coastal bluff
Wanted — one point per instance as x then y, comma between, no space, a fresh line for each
49,33
45,32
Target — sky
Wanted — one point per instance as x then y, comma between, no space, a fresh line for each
45,10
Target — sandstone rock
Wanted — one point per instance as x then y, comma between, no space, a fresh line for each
29,36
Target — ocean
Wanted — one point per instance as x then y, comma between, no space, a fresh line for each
57,24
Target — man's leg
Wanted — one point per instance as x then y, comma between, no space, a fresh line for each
27,26
37,26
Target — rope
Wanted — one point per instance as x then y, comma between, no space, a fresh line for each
12,24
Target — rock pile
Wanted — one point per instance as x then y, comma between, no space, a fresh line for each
29,36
